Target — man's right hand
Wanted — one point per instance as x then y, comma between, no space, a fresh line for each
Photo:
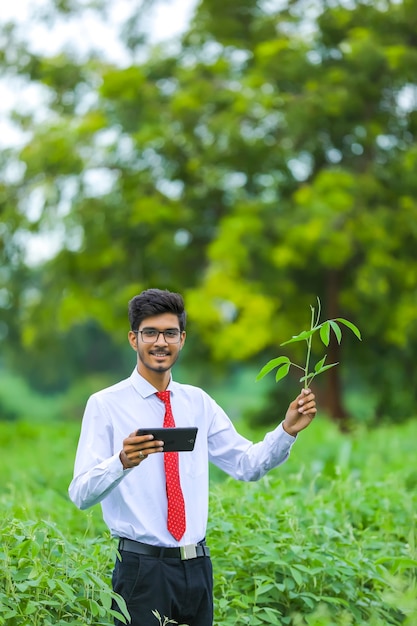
137,448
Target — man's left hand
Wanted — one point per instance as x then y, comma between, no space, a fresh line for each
300,413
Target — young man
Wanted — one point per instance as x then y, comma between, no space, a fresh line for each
156,503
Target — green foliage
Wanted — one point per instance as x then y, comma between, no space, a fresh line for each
46,579
323,329
257,165
321,541
328,538
55,561
18,401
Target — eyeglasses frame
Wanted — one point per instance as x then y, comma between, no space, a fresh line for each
160,332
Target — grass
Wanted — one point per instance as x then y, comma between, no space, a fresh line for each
328,538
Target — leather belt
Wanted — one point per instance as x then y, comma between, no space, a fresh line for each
192,551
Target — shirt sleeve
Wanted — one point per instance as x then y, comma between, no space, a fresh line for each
241,458
98,469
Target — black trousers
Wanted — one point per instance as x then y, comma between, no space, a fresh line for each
179,590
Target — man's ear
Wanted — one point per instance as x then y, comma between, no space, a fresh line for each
133,340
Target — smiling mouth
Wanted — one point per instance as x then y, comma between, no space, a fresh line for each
159,355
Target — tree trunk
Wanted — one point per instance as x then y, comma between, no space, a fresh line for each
333,402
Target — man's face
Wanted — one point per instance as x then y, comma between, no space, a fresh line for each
156,354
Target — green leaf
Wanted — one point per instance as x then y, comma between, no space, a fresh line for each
297,576
336,330
303,336
30,608
325,333
320,364
326,367
282,371
271,365
118,615
350,325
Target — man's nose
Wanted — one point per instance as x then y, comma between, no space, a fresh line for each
161,338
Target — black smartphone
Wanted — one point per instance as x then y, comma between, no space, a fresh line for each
175,439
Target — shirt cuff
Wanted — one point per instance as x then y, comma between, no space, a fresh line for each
114,466
291,438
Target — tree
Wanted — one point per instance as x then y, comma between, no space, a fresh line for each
269,159
340,122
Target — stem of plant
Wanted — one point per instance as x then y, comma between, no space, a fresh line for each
309,341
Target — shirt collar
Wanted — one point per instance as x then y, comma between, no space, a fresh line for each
144,387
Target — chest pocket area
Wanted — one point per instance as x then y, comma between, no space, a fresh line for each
195,463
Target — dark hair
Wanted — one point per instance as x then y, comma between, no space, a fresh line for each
155,302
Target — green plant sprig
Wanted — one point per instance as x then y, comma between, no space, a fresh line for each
166,621
283,363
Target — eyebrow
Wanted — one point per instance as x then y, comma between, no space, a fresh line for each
155,328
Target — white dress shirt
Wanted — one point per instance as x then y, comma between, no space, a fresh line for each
134,501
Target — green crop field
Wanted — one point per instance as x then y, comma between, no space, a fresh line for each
328,538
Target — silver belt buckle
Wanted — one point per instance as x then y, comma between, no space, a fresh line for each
188,552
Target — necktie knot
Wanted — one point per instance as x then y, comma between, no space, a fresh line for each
164,396
169,421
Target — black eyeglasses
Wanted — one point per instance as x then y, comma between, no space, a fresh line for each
151,335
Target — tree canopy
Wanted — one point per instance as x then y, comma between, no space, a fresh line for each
267,158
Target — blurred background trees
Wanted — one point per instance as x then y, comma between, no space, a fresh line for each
267,157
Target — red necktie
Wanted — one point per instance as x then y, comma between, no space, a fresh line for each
176,508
